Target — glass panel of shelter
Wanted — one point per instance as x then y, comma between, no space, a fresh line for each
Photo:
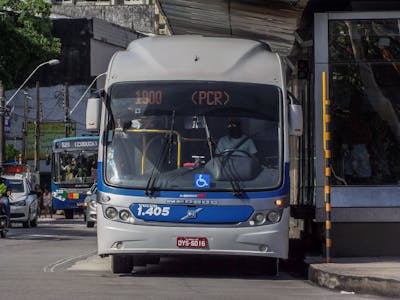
364,65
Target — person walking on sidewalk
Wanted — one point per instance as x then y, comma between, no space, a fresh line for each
47,202
39,194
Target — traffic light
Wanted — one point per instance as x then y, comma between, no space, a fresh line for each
302,69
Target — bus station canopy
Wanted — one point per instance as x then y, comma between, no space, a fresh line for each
276,22
273,22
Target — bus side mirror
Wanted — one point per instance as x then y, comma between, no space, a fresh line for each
93,109
295,116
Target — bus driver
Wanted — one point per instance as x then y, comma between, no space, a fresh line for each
236,140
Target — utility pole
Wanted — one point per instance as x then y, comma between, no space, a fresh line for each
37,130
25,124
67,119
2,136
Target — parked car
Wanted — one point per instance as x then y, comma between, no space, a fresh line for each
90,206
24,206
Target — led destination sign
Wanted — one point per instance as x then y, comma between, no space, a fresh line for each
76,144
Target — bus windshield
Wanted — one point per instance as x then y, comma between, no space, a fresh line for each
194,135
75,167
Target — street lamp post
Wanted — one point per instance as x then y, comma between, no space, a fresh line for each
4,105
83,95
51,62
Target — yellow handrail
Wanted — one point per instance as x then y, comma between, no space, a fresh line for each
146,145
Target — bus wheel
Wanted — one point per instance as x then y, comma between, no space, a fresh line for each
271,266
266,265
69,213
89,224
121,264
153,259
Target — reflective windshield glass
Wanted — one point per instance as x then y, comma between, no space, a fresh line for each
75,166
16,185
194,136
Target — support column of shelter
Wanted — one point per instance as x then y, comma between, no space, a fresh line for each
327,157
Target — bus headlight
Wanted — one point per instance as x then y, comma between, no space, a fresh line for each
104,198
111,212
93,203
124,215
259,218
273,216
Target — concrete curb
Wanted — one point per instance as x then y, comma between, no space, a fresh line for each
352,283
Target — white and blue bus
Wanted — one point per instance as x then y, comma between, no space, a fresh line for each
73,172
194,151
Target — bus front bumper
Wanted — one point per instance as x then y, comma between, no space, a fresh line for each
270,240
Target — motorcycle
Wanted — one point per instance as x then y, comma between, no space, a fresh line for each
4,216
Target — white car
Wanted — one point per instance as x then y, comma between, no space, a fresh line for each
23,200
90,206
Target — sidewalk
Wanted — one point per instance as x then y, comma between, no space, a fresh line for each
361,275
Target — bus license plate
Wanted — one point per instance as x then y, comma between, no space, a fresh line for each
191,242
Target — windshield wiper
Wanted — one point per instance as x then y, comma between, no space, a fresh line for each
234,182
149,191
209,141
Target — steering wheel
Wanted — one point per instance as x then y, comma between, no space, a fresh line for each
231,151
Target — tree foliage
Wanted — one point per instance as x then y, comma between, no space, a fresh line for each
26,39
11,153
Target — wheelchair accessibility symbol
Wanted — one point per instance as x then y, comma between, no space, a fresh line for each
202,181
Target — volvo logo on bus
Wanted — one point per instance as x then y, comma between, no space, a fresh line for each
210,98
192,213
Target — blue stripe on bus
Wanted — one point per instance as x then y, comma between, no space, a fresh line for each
283,190
196,214
67,204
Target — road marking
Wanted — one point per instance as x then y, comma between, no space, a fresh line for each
16,236
65,261
59,225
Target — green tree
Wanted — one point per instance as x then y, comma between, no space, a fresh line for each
26,40
11,153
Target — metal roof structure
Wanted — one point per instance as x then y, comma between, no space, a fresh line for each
273,22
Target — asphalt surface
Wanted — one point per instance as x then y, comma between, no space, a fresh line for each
57,260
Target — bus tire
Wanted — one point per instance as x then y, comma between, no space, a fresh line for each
266,265
152,259
122,264
139,260
271,266
69,213
89,224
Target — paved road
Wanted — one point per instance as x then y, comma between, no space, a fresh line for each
57,261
